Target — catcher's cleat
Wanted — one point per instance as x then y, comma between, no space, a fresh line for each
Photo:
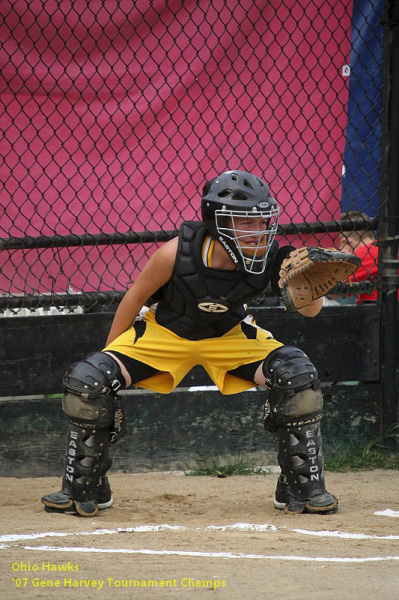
325,504
60,502
86,509
57,500
321,504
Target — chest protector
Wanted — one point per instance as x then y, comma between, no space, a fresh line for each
199,302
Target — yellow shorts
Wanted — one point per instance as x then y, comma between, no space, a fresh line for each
174,356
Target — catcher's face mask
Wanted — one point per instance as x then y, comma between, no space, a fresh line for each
239,212
247,235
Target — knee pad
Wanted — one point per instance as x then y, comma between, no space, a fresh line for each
290,369
295,397
90,390
97,373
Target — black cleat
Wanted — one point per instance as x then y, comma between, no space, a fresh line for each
60,502
322,504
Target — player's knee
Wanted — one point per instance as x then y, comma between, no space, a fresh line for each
289,369
96,372
301,404
96,411
295,395
90,390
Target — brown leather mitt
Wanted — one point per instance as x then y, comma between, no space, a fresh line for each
309,273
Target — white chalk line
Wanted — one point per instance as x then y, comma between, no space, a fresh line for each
348,536
227,555
14,537
387,513
244,527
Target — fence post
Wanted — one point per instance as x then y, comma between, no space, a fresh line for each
390,218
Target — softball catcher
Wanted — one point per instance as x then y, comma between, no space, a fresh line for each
188,307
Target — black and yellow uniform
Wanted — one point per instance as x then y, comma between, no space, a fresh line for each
200,318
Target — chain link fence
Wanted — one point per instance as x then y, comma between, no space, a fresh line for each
114,114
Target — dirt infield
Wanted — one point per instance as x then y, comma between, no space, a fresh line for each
171,536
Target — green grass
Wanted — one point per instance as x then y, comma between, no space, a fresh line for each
214,467
376,454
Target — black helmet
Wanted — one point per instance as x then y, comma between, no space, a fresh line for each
229,198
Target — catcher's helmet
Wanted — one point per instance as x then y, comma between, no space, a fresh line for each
229,203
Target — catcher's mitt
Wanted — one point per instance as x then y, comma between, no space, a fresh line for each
309,273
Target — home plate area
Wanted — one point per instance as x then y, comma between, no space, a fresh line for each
175,536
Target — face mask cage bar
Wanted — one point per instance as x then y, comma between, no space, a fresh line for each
250,245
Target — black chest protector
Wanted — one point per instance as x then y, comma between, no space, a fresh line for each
199,302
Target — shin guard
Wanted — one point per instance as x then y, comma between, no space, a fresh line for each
86,461
301,460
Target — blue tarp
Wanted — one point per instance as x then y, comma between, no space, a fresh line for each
361,175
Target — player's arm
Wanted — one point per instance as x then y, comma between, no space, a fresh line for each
155,274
